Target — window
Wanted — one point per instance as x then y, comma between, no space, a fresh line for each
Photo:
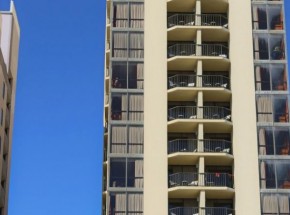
267,17
272,108
126,172
128,44
126,203
127,139
271,77
269,47
127,75
275,174
128,15
1,117
127,107
275,203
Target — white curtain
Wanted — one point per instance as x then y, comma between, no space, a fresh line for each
139,173
136,105
137,15
140,75
121,18
120,44
264,107
136,45
119,139
284,203
255,17
262,141
256,47
136,137
120,204
270,203
124,107
258,78
135,203
263,174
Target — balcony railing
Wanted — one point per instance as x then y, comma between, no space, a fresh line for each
181,19
198,81
184,211
207,145
191,49
212,20
185,19
201,211
205,112
203,179
216,211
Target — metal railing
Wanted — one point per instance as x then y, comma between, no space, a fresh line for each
182,145
201,211
216,211
184,211
183,179
214,50
182,49
216,145
212,20
181,19
200,179
206,145
190,49
198,81
193,112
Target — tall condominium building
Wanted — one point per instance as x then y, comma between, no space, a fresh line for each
9,43
196,108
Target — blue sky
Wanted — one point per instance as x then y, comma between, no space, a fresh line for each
57,145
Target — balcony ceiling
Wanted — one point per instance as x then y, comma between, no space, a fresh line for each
188,63
193,192
191,158
190,93
180,5
190,125
188,33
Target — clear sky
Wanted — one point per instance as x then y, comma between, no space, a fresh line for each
57,143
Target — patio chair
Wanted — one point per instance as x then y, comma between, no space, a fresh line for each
228,117
191,84
172,183
171,84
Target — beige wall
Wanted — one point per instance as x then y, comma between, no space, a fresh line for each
155,109
243,109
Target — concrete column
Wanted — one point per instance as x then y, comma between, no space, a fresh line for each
199,74
198,43
202,201
155,107
198,12
199,104
200,137
201,171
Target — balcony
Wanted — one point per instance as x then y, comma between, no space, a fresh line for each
207,6
189,184
186,87
201,211
186,119
188,151
184,56
184,26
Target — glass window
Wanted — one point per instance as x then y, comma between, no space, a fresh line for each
124,105
266,142
267,17
126,203
127,75
282,138
128,15
275,174
127,139
269,47
271,77
126,172
3,90
273,203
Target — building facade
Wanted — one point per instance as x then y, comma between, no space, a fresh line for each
196,110
9,43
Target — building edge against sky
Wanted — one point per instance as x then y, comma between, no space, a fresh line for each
9,40
212,120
